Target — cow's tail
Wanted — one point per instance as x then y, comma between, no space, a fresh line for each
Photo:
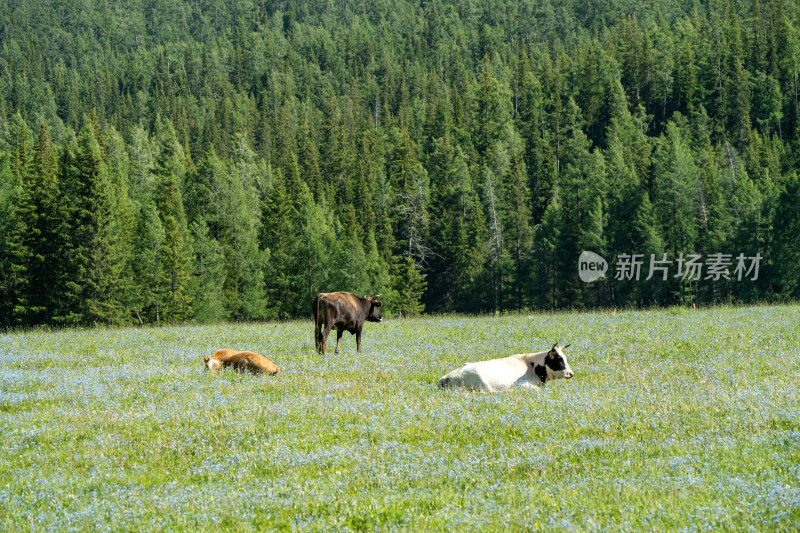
315,310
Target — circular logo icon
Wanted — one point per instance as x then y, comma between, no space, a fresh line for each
591,266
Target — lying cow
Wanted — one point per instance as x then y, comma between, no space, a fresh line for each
241,362
342,311
527,370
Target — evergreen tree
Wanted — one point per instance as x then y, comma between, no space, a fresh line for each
581,183
519,234
316,254
206,284
223,199
148,303
17,255
445,202
787,239
123,231
279,240
408,285
547,274
348,259
93,241
7,200
675,197
376,269
675,191
43,193
492,111
175,256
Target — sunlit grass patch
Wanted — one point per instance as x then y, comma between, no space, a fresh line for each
675,420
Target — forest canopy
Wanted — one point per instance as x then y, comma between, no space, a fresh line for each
174,160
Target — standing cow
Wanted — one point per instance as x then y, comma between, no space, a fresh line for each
344,312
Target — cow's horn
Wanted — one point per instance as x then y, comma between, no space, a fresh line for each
377,296
567,346
554,347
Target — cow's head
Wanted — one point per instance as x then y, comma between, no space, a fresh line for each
556,363
374,313
211,363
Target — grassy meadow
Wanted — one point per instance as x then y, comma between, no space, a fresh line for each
675,420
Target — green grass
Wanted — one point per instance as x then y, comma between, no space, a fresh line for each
675,420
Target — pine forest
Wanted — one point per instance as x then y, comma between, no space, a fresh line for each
165,161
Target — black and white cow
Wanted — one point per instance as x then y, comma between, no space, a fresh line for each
526,370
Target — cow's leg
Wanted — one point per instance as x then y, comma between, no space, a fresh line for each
484,384
339,333
325,339
318,337
358,340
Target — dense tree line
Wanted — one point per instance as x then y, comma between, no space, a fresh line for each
172,160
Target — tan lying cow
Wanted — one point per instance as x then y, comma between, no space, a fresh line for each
241,361
526,370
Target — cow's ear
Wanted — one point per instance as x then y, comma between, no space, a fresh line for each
206,358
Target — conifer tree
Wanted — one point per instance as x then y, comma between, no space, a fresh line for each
408,285
244,283
278,239
17,255
349,259
206,284
148,304
7,201
308,157
519,234
93,241
675,195
492,111
475,296
445,204
787,239
175,256
39,203
547,274
581,181
123,232
317,256
376,270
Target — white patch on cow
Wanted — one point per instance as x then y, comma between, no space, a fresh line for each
213,365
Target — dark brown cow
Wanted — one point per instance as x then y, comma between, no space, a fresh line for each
344,312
